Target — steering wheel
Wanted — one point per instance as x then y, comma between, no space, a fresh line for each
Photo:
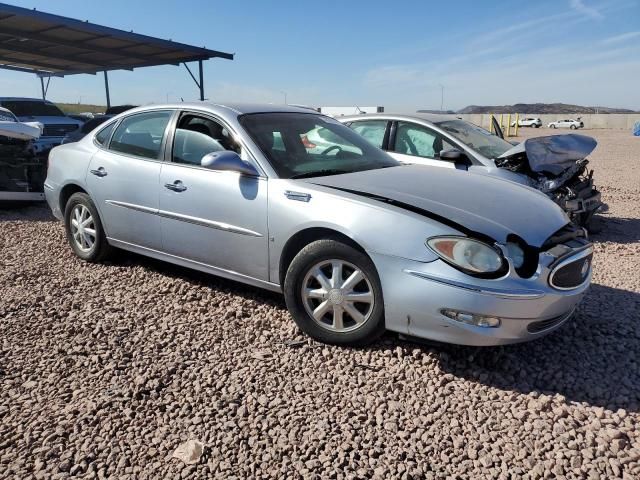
331,148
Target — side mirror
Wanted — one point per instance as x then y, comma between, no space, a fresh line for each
452,155
228,160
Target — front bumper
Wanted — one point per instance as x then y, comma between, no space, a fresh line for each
415,294
581,205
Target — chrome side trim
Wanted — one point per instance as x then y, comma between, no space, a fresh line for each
299,196
132,206
496,292
570,259
203,267
208,223
187,218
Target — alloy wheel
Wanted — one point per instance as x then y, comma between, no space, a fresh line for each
337,295
83,228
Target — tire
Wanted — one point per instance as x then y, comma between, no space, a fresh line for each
553,126
89,242
358,322
572,127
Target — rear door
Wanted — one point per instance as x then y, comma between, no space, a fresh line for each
217,218
413,143
123,177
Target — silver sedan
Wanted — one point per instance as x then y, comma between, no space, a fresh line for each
357,242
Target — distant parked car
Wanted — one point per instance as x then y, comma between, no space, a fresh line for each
558,170
357,242
56,123
528,122
89,125
569,123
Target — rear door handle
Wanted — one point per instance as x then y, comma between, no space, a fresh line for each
100,172
176,186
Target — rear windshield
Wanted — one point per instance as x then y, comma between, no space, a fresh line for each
307,145
25,108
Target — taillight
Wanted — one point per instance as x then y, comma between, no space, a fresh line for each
307,143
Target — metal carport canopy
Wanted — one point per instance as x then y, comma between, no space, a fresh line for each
54,46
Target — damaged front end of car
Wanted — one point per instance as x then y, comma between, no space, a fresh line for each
22,171
557,166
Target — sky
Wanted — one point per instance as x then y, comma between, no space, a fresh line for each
403,55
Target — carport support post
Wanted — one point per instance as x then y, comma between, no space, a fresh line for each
44,92
201,80
106,88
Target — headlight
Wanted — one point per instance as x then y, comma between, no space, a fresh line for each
467,254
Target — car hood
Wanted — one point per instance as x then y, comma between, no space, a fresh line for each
473,204
555,153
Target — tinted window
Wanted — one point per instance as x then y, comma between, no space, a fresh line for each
412,139
196,136
24,108
103,135
372,130
301,144
141,134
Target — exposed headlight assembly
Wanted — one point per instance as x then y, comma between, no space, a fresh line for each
470,256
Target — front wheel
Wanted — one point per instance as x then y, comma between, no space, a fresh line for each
573,127
84,229
552,126
334,294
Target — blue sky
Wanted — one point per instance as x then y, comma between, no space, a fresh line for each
369,52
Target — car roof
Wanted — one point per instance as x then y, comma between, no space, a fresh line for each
425,117
226,109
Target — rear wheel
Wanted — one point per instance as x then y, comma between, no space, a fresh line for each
572,127
553,126
334,295
84,229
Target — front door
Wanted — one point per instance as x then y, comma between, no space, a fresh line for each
123,178
216,218
412,143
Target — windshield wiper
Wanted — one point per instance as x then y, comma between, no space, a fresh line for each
320,173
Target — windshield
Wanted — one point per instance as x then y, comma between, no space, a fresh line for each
306,145
26,108
7,116
476,138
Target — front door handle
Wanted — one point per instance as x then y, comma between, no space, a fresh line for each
100,172
176,186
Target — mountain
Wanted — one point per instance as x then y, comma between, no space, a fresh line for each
541,108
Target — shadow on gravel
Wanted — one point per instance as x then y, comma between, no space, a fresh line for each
595,358
617,230
25,211
129,259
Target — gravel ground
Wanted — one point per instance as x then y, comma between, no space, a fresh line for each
105,370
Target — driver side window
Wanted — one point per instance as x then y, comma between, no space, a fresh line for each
416,140
196,136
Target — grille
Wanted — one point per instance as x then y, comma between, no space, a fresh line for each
542,325
572,272
59,130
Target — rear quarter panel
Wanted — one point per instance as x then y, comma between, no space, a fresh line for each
68,165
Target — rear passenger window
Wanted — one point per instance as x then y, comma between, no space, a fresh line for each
372,130
141,135
103,135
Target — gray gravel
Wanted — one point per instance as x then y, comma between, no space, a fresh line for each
105,370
